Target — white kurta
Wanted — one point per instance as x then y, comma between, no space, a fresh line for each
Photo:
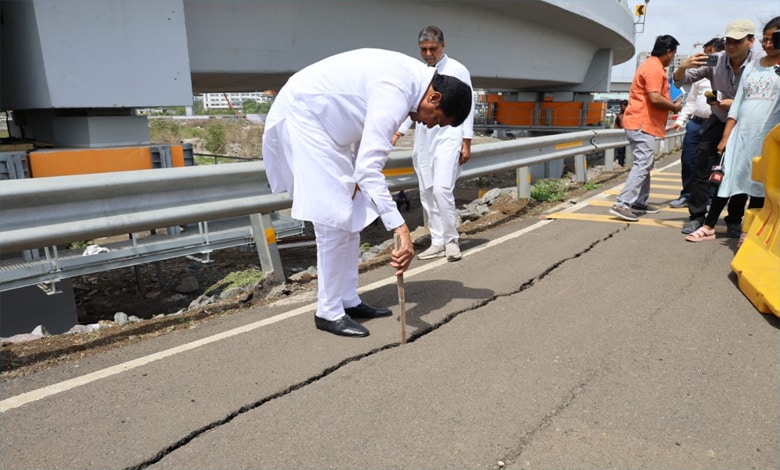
436,152
330,129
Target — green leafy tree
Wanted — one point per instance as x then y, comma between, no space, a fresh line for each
249,106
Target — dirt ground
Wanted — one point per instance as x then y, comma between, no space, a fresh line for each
149,291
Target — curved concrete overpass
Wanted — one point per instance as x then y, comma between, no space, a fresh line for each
74,71
539,45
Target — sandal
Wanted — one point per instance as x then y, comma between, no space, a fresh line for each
742,237
701,234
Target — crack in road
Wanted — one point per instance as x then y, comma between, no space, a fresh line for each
413,337
547,419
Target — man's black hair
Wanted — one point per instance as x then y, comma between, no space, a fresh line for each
716,43
455,97
664,44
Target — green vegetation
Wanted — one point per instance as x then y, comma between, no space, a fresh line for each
215,136
236,137
589,185
239,279
253,107
548,190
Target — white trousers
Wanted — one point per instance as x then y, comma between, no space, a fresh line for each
338,254
439,206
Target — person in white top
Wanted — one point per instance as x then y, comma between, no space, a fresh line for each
327,137
438,155
695,111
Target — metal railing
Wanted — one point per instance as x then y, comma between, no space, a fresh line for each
46,212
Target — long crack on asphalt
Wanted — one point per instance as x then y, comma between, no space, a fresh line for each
413,337
547,420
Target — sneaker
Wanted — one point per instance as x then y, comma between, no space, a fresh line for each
435,251
692,226
640,209
677,203
623,213
452,251
733,230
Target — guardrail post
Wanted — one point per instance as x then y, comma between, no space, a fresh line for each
609,159
267,249
581,168
523,180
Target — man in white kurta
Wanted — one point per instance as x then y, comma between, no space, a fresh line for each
438,155
326,140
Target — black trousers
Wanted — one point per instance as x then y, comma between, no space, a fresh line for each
736,205
706,157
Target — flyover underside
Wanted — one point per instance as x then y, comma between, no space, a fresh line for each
238,82
520,45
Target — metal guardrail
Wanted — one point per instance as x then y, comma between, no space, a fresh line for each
46,212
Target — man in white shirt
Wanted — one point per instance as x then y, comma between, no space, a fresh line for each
438,153
327,138
695,111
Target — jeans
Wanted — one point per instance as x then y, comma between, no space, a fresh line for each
688,155
706,157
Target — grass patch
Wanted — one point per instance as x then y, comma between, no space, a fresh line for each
548,190
239,279
590,185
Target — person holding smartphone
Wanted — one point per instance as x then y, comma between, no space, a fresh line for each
695,111
724,77
754,112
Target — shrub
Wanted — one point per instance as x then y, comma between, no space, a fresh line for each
548,190
215,137
165,131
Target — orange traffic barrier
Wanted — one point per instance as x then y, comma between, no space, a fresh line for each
757,263
61,162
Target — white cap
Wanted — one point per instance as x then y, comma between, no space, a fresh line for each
739,29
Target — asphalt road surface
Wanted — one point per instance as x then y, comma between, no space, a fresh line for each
579,342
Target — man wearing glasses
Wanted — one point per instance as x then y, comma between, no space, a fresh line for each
724,77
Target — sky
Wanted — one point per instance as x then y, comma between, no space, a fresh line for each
693,21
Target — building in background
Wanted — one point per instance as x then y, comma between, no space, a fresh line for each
226,100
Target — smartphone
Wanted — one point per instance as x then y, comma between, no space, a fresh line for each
712,60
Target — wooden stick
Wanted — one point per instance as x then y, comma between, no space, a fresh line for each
401,293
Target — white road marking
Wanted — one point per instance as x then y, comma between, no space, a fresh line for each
45,392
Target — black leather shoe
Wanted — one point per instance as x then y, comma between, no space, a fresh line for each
364,310
344,326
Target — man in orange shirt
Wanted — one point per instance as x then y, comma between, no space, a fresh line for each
645,119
